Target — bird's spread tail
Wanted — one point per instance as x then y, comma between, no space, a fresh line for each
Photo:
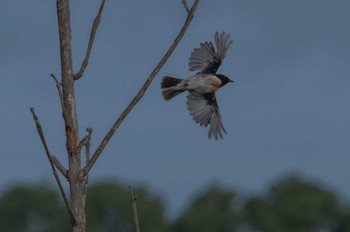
168,82
172,86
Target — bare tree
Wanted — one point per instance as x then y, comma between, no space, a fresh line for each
75,174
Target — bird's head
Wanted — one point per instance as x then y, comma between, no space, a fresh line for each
224,79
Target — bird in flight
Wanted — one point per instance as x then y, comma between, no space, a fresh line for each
201,101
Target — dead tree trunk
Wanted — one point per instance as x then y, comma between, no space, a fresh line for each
69,112
76,175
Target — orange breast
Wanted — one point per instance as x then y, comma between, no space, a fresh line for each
215,84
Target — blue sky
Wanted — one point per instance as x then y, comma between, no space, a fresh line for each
288,110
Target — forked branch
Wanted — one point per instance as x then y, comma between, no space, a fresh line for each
184,2
59,166
59,89
142,91
47,151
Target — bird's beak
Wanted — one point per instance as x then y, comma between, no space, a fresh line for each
231,81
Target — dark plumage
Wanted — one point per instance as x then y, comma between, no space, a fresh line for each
168,82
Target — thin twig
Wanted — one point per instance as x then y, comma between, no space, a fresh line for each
133,200
82,142
43,141
59,166
91,42
184,2
59,89
141,92
87,158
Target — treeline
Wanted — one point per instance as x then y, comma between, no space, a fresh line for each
292,204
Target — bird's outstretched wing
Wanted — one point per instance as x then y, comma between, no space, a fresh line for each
205,111
206,59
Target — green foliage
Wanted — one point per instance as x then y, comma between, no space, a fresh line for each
294,205
304,206
213,210
260,215
291,205
32,209
344,221
108,209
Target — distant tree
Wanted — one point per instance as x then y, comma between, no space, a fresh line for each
32,209
260,215
294,205
344,221
108,209
215,209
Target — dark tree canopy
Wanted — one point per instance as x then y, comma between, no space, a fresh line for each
214,209
36,209
290,205
295,205
109,209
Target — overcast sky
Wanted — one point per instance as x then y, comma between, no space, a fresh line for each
288,110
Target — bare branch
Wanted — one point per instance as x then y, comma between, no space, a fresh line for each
59,89
184,2
87,158
142,91
91,42
133,200
82,142
43,141
87,144
59,166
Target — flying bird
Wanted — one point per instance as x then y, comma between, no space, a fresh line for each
201,101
